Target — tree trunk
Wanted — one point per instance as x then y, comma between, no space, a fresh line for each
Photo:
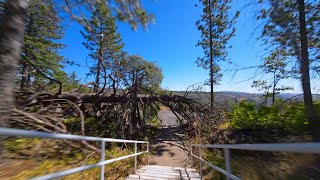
114,86
134,108
97,82
11,42
24,75
28,82
274,87
305,76
211,58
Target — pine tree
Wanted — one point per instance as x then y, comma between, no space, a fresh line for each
71,82
104,42
140,73
41,46
276,65
216,29
293,26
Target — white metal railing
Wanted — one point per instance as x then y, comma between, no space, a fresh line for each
36,134
313,148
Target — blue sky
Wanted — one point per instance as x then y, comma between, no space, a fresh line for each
170,42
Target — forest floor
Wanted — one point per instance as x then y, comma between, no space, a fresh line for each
166,150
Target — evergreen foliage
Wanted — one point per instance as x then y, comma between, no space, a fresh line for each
276,65
104,43
281,30
141,73
41,47
293,27
216,27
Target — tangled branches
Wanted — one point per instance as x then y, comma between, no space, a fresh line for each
126,116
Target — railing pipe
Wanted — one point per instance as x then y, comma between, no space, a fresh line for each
11,132
148,153
191,157
217,168
200,156
227,162
312,147
103,146
37,134
135,158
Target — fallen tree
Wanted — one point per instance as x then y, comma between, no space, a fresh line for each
127,115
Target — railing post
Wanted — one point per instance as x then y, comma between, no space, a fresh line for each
227,162
191,157
200,156
102,159
148,152
135,158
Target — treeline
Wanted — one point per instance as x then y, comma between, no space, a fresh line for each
113,73
41,66
290,35
36,93
108,103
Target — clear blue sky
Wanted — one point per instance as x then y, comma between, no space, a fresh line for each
170,42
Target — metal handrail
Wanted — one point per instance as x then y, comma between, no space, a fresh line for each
308,148
11,132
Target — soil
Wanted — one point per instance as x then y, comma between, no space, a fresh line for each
166,151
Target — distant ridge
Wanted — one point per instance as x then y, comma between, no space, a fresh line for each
231,97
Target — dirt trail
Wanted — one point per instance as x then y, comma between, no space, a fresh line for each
166,151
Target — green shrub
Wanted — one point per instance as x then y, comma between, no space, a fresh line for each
155,122
243,115
288,117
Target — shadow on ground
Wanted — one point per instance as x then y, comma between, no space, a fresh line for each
160,149
170,133
166,150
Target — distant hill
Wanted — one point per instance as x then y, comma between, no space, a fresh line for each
229,97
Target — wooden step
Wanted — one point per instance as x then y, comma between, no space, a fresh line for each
156,172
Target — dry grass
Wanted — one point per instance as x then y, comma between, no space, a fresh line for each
275,166
24,160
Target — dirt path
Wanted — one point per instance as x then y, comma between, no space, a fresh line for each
167,117
166,150
167,153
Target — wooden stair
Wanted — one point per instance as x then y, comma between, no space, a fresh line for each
156,172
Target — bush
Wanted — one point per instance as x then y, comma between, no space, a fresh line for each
287,117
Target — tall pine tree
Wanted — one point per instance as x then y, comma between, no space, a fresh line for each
293,26
104,43
216,29
41,46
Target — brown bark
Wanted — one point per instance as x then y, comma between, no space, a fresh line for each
274,87
305,76
11,42
97,82
24,76
211,58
